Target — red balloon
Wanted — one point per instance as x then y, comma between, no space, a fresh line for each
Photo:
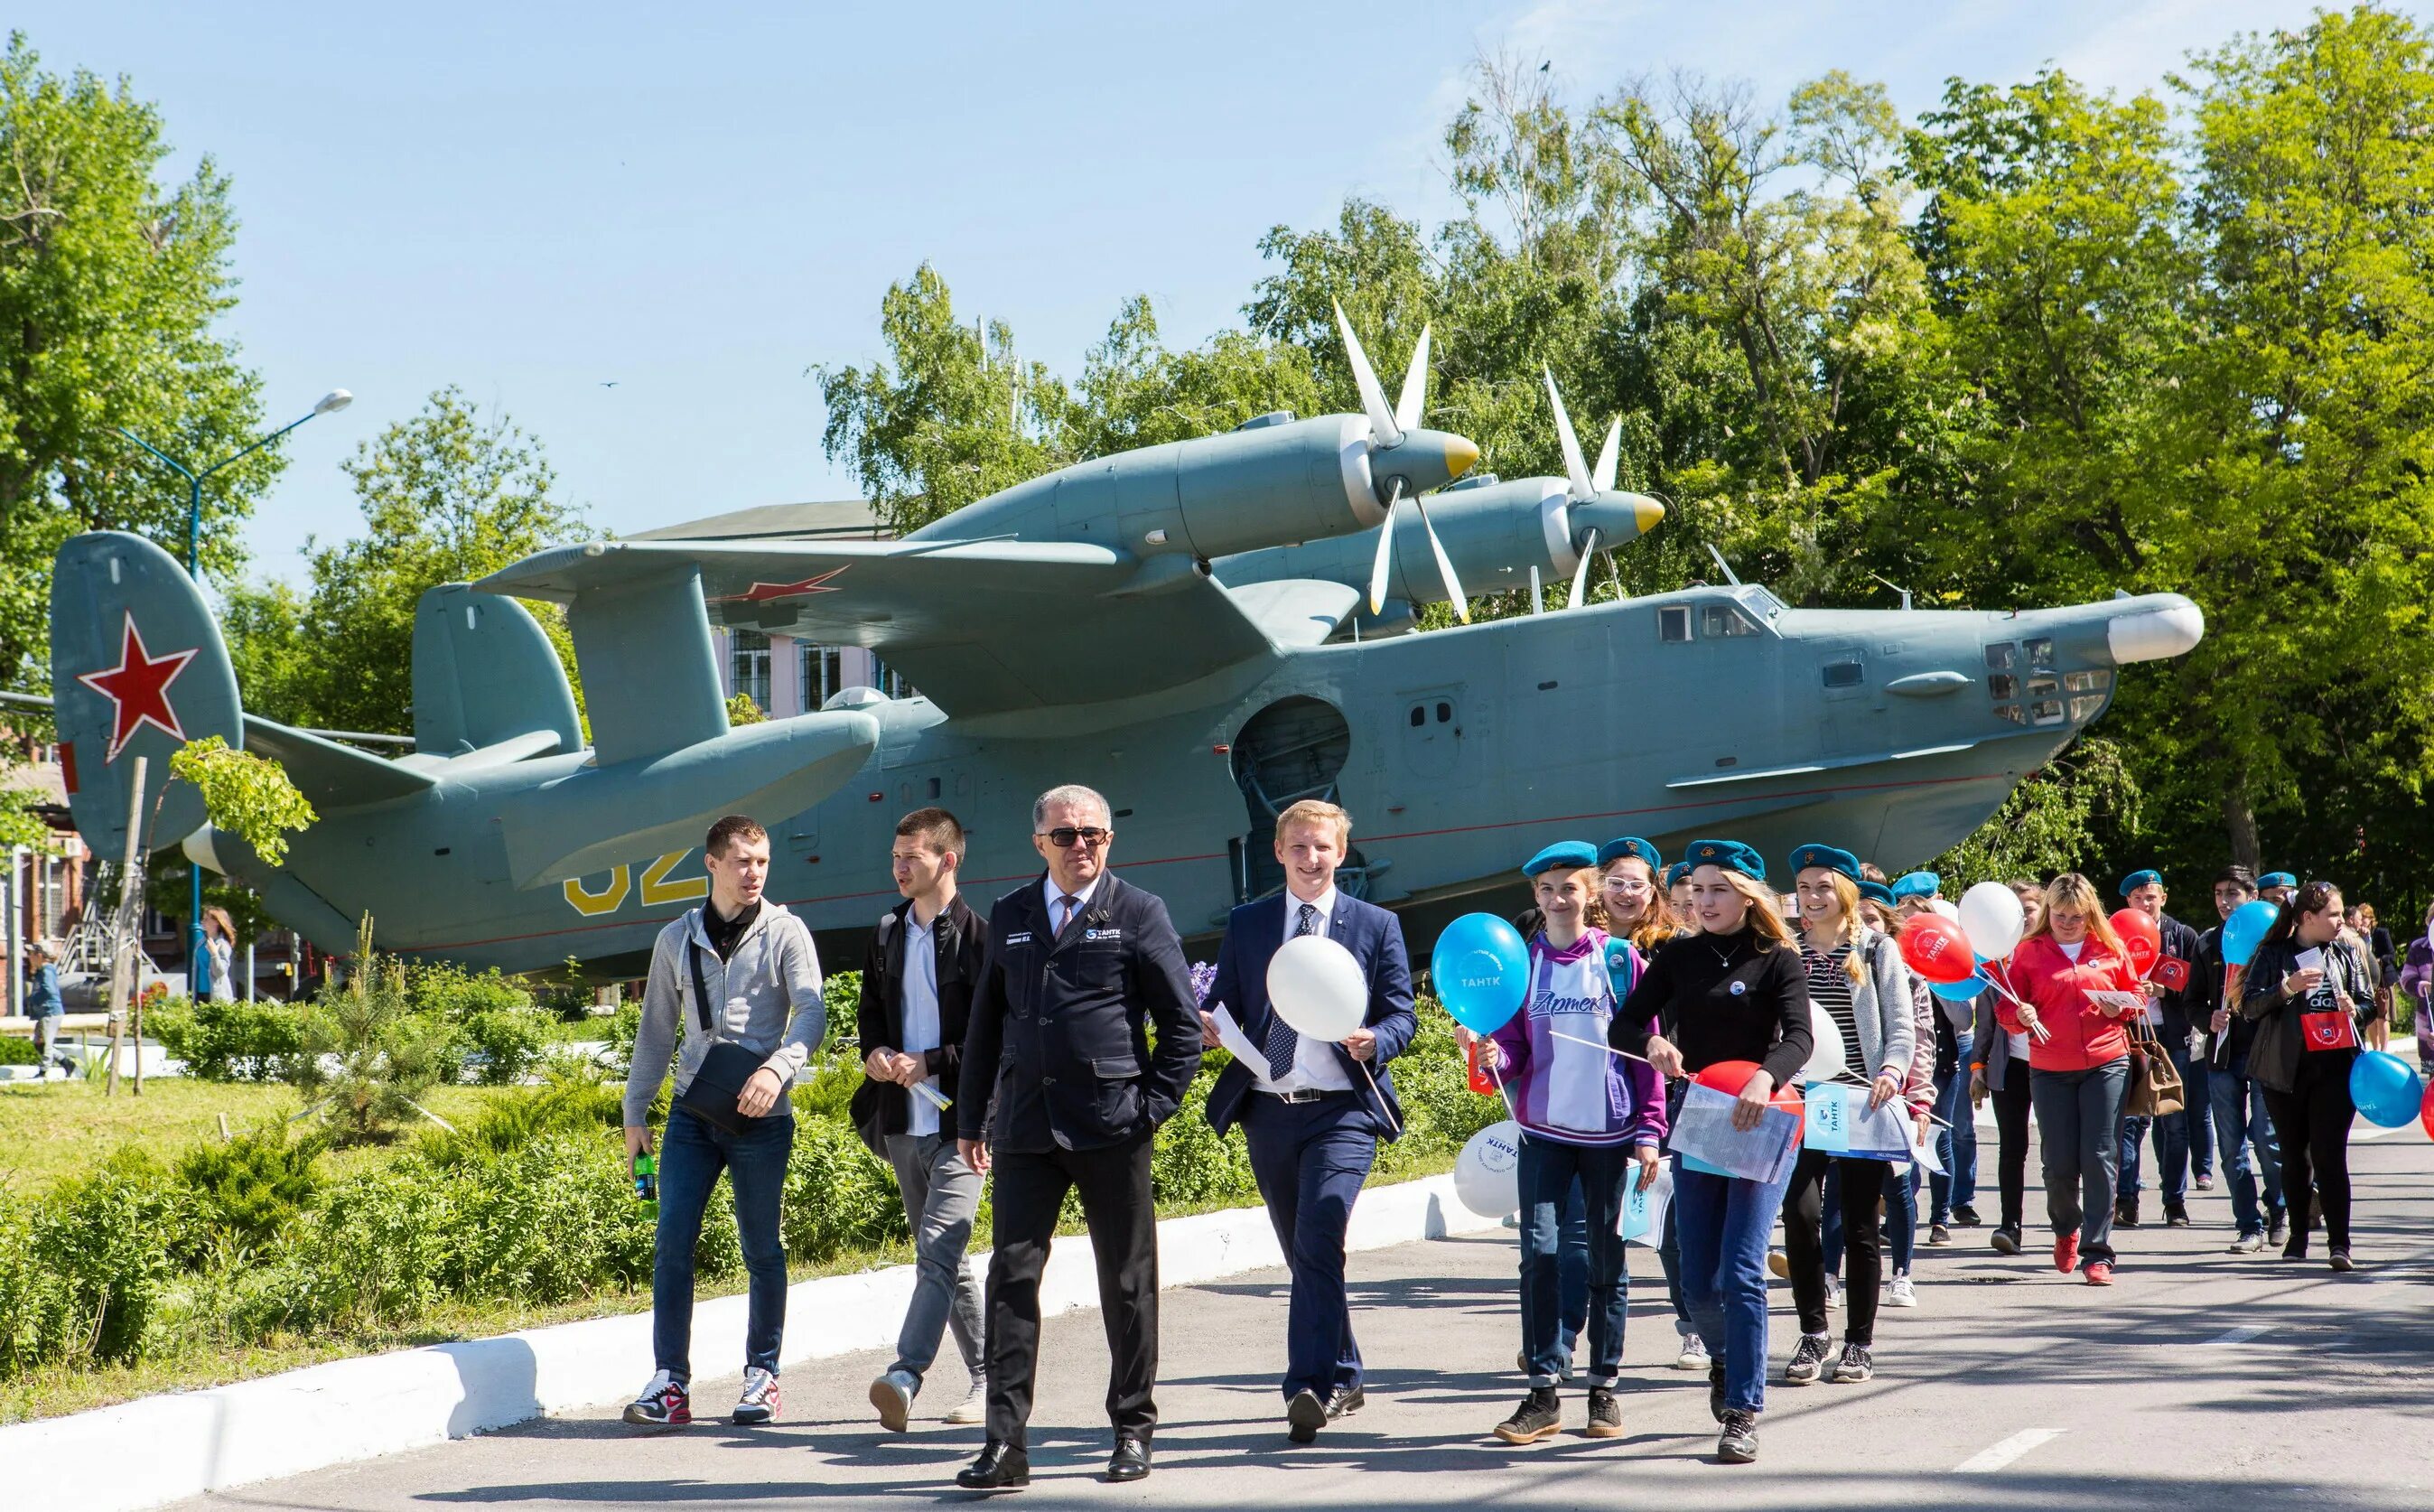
2141,940
1936,949
1730,1076
2426,1113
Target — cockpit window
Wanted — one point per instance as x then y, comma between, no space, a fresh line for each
1760,601
1674,623
1724,619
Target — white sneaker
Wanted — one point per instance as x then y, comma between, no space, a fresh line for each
759,1403
1833,1292
1693,1355
1901,1293
974,1407
892,1394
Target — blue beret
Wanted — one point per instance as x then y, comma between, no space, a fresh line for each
1730,855
1876,892
2277,879
1675,872
1569,854
1629,845
2140,879
1918,884
1827,856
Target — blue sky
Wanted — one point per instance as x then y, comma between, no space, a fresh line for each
533,200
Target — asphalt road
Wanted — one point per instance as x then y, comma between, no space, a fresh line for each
2201,1380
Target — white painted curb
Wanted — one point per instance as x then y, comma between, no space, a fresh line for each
186,1443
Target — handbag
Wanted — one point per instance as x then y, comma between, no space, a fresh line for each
2155,1087
2330,1029
726,1066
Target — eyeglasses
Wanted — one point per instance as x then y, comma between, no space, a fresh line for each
1064,836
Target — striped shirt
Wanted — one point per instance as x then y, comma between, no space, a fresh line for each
1829,988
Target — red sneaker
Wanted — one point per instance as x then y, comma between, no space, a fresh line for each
2067,1253
2099,1273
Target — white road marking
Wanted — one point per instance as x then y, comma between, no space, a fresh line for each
2240,1335
2006,1452
2360,1133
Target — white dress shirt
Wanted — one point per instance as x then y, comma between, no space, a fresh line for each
1049,889
1315,1063
921,1016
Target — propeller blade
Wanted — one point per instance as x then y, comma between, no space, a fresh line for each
1385,552
1576,472
1444,563
1416,385
1382,428
1581,573
1609,456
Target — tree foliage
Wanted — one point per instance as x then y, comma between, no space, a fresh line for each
368,1056
112,283
245,795
447,495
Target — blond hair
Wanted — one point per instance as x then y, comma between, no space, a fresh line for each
1317,810
1852,927
1765,911
1593,914
2072,892
1656,922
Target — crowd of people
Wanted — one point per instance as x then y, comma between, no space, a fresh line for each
1044,1044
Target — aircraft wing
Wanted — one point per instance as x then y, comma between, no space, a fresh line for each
980,627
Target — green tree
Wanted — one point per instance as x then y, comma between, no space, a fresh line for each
448,496
112,285
246,795
368,1057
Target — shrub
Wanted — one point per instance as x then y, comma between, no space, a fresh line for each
229,1041
547,1223
839,1196
17,1052
376,1251
509,1042
242,1195
573,1098
367,1059
1189,1166
36,1306
459,995
106,1239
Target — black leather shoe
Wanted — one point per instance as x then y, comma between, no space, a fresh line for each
1002,1467
1347,1400
1130,1462
1304,1416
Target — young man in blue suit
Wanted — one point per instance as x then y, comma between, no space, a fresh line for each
1313,1112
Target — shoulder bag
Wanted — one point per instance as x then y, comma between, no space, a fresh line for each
718,1081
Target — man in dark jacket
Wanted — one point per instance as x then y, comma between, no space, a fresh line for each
2241,1122
1061,1093
2185,1138
917,996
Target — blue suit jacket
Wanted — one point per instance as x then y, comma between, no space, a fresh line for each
1253,934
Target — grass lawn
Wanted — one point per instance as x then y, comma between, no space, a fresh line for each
49,1130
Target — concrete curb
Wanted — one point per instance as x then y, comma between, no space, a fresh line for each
162,1449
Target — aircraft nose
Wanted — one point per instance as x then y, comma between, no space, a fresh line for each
1462,454
2168,626
1424,459
1615,517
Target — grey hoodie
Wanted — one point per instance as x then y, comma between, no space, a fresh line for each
765,998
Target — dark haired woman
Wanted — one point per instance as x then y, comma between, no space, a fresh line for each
1733,991
2310,995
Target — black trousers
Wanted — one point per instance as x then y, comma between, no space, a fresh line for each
2312,1122
1115,1191
1863,1186
2011,1102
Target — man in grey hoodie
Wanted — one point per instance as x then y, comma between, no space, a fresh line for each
758,981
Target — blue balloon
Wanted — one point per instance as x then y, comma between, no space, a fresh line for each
1480,968
1960,991
2245,927
2385,1087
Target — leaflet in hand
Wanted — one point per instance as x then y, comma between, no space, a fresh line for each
1703,1135
1237,1043
934,1096
1839,1123
2111,1002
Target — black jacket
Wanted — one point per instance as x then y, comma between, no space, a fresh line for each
1058,1053
2278,1050
962,943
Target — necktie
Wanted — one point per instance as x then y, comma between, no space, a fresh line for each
1066,904
1282,1040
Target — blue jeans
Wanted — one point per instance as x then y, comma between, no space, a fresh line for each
1310,1159
1573,1270
1724,1229
691,1154
1956,1146
2241,1124
1550,1171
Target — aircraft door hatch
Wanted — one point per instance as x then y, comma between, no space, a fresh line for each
1292,749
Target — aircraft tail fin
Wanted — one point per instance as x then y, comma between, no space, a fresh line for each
485,673
138,668
650,674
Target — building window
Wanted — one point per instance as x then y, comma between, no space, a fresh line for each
1674,623
748,661
822,674
890,681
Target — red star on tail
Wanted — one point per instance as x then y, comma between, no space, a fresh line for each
137,690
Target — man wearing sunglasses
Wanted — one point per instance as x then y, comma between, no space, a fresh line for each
1061,1091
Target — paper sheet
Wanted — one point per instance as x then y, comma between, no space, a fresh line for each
1703,1133
1237,1043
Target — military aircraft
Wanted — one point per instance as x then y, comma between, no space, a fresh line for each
1204,630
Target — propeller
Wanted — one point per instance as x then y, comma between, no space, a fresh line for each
1582,484
1387,428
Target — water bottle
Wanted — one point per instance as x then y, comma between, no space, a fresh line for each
647,1184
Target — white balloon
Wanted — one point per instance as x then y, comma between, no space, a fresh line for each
1946,908
1317,986
1991,916
1827,1058
1487,1172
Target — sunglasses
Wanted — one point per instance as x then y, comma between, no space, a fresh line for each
1064,836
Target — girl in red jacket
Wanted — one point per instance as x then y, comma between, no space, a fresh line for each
2076,987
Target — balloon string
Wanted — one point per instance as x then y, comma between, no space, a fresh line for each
1596,1044
1497,1077
2004,987
1390,1122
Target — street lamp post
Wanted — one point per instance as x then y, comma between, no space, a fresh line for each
198,965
